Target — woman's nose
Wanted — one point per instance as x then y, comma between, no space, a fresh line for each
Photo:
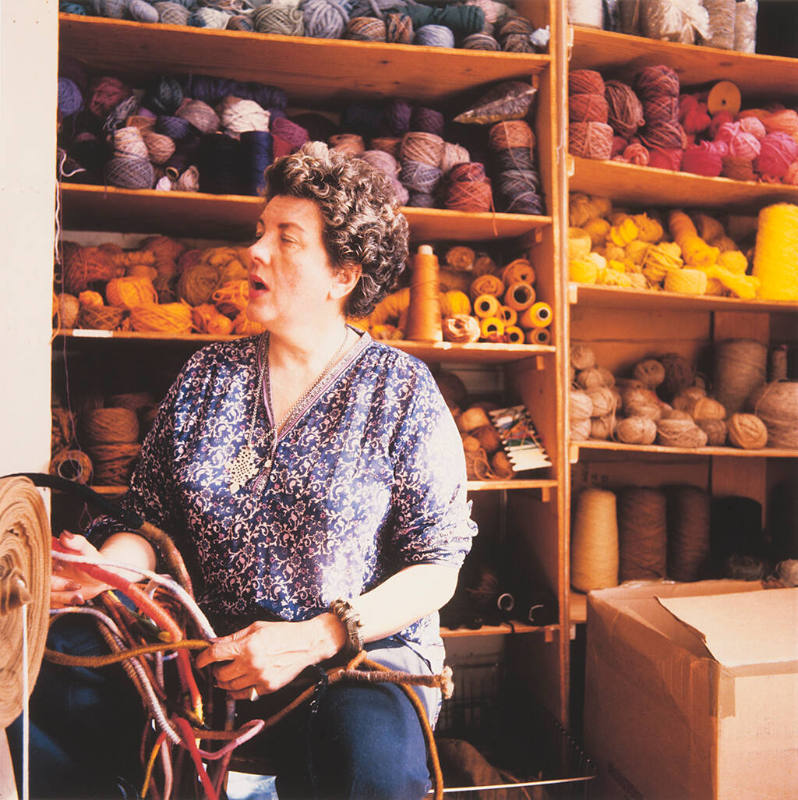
260,249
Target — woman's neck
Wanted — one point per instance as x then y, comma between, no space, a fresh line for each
308,348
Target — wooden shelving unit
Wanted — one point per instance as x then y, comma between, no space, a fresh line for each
625,325
234,216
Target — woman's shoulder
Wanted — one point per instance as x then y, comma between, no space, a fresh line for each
228,354
390,360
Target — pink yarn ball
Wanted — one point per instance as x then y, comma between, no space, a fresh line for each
719,119
778,151
753,125
693,114
665,159
783,121
744,145
636,153
727,131
721,148
702,159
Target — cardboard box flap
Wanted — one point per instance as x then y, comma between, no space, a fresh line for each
744,629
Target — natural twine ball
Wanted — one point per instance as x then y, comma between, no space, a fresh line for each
747,431
688,397
582,357
679,374
776,404
706,408
680,433
715,429
603,400
636,430
579,429
650,372
580,406
110,425
590,378
602,427
67,309
633,395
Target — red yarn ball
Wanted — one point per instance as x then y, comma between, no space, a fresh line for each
590,139
665,158
664,135
587,108
661,108
778,151
702,159
636,153
585,81
106,93
719,119
693,114
657,80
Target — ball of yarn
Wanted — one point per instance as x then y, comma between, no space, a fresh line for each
679,374
129,292
110,425
237,115
398,28
205,17
174,127
281,19
160,148
602,427
636,153
170,13
752,125
739,169
636,430
200,115
365,29
349,143
453,154
776,404
588,108
663,136
85,266
427,119
324,19
784,121
434,36
580,406
715,429
665,158
680,433
625,111
585,81
657,80
747,431
422,147
649,372
603,400
480,41
70,98
702,159
582,357
66,310
590,140
130,142
105,93
777,152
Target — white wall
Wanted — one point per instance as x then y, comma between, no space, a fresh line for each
28,100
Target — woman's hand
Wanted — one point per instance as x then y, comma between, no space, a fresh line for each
69,586
268,655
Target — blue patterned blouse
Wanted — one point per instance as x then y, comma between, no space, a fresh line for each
368,477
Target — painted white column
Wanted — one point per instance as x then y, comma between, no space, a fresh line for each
28,101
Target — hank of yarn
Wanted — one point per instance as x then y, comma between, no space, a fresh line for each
740,366
590,140
745,25
424,311
642,534
775,264
594,541
624,109
689,517
722,14
585,12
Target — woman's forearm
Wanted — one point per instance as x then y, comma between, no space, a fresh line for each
129,548
390,607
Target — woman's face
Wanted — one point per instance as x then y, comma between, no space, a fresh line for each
291,276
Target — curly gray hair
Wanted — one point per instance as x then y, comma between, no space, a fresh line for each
360,213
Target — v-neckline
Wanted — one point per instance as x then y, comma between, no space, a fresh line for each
316,392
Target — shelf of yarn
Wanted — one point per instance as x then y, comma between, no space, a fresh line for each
503,629
109,208
439,352
630,183
644,299
575,448
753,73
306,68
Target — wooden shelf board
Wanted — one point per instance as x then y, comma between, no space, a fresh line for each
655,449
577,607
233,217
307,69
770,76
640,299
513,484
478,352
504,629
662,187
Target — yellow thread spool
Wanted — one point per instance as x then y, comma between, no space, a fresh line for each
538,336
539,315
424,311
519,296
686,281
724,96
509,316
514,334
490,327
486,305
775,262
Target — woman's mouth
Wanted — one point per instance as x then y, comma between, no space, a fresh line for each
256,285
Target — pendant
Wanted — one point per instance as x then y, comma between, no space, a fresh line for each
243,468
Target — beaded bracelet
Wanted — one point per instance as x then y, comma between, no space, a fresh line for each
350,618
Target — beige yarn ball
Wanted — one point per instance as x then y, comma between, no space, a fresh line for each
707,408
688,397
582,357
680,433
715,429
602,427
580,429
609,378
747,431
650,372
580,406
603,400
636,430
590,378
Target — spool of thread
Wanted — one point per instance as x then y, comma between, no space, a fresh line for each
424,311
513,334
775,264
486,305
594,541
776,405
538,315
538,336
491,328
689,517
72,465
740,366
642,534
519,296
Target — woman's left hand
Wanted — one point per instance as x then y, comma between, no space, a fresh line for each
268,655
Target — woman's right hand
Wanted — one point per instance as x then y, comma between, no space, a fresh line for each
69,586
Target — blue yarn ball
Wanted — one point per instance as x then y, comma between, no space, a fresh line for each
421,200
364,118
163,96
72,8
142,11
419,177
174,127
70,100
324,19
434,36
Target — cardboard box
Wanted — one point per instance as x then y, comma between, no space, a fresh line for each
692,691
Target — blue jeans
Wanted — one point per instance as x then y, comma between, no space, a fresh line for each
362,742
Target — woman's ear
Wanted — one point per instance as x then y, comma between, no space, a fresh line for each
345,279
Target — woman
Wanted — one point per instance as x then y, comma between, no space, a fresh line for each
315,478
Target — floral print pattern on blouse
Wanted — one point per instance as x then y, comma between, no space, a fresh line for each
369,478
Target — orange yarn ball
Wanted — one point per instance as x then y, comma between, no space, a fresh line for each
85,266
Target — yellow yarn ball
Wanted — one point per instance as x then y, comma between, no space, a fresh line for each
686,281
579,243
582,270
